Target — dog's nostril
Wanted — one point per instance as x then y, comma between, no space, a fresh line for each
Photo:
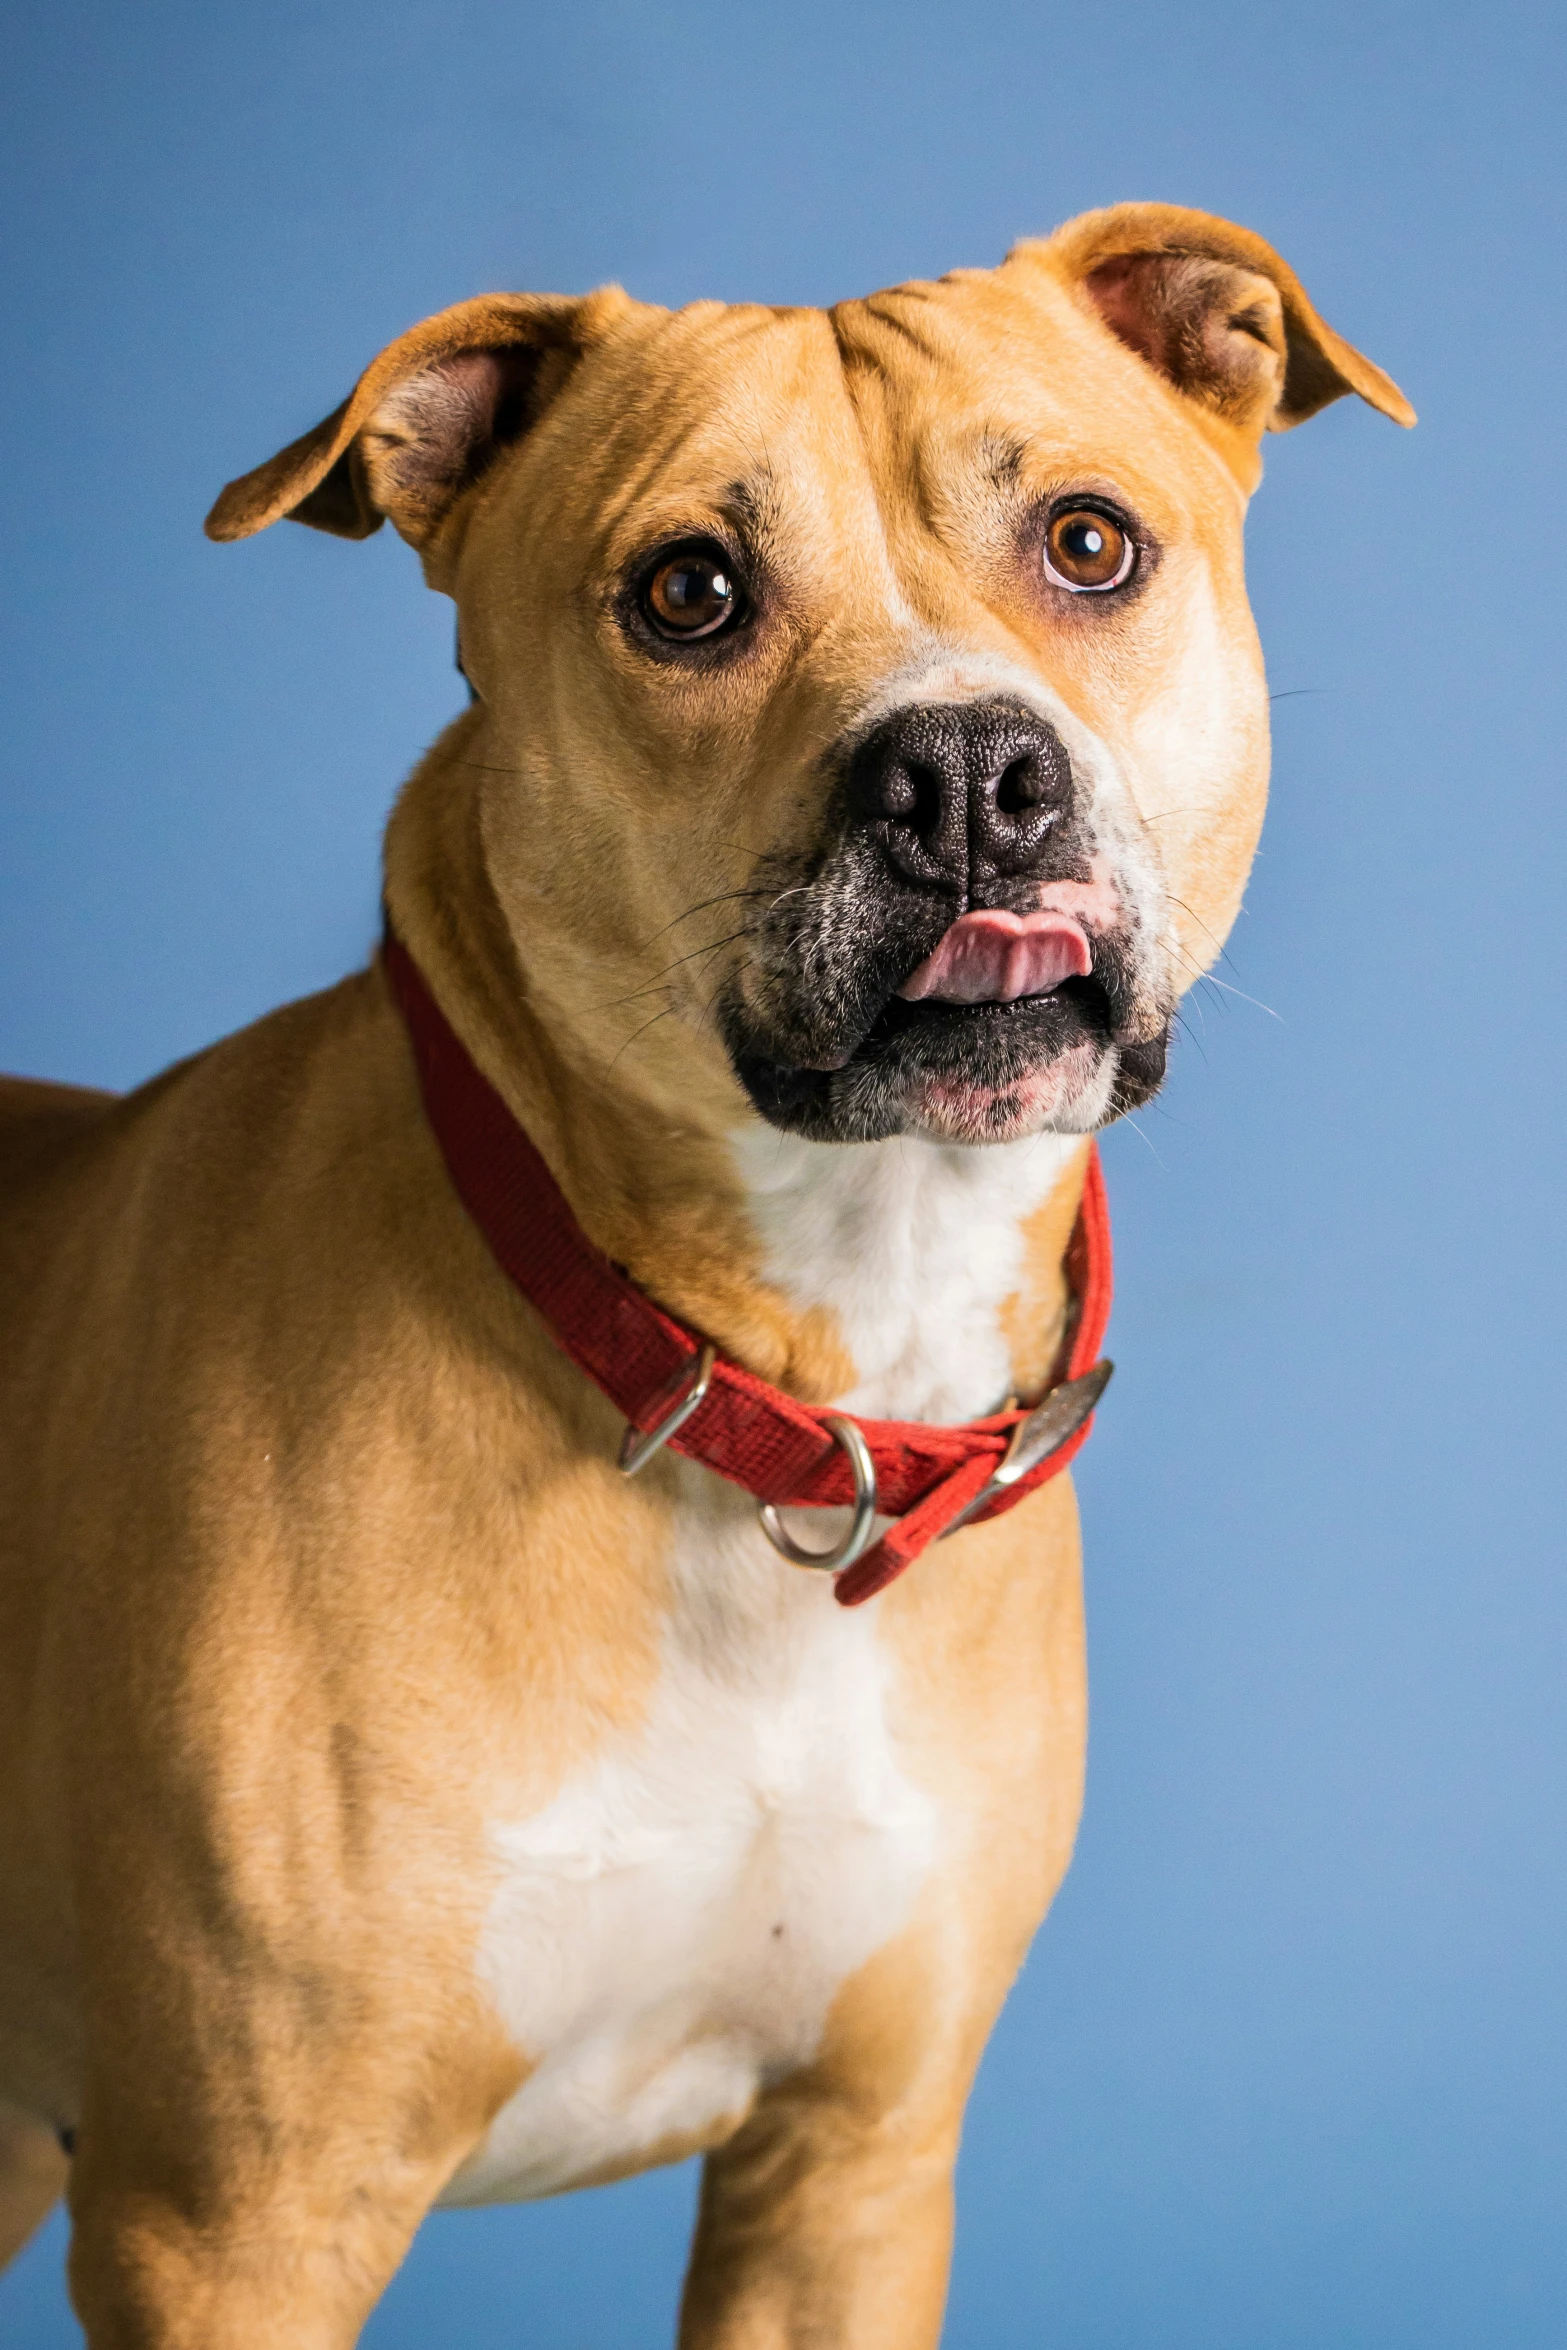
910,793
1020,786
927,797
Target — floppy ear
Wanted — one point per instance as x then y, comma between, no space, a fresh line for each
1215,310
424,421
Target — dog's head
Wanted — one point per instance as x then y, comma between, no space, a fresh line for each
873,691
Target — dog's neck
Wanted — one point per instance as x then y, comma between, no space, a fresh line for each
939,1262
909,1279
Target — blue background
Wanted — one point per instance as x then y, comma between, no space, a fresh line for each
1287,2067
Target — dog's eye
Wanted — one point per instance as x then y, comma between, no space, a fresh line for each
692,594
1086,551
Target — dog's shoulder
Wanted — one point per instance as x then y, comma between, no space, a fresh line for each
42,1124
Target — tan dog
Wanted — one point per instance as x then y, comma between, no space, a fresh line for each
868,743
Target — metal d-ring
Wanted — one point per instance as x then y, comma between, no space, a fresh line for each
848,1550
678,1401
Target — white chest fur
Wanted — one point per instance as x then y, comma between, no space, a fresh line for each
669,1934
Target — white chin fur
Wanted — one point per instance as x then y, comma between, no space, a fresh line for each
914,1244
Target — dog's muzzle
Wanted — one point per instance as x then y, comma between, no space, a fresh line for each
949,963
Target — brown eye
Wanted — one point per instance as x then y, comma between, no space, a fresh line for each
1087,551
691,595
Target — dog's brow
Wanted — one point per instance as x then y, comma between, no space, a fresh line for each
752,497
1004,456
754,503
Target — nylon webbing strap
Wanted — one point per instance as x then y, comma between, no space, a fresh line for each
754,1434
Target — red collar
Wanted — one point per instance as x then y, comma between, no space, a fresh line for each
925,1477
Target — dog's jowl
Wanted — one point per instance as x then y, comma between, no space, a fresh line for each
400,1802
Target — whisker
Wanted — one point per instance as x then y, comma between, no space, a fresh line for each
1191,1036
725,897
745,848
642,1031
1126,1119
711,949
1208,980
1202,926
1191,962
713,998
715,946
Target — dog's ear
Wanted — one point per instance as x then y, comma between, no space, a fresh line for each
424,421
1215,310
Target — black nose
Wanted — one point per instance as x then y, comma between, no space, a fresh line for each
962,793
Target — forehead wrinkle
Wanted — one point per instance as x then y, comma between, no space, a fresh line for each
727,441
889,311
853,361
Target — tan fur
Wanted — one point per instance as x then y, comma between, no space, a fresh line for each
1036,1316
315,1560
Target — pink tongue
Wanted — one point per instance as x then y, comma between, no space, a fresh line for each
994,958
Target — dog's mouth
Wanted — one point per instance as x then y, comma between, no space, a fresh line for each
1008,1026
1072,1012
993,956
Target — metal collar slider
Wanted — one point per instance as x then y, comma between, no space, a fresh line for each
1045,1430
674,1407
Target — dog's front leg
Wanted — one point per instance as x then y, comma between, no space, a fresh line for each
825,2226
242,2211
826,2220
163,2262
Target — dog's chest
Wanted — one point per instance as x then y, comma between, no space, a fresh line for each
669,1934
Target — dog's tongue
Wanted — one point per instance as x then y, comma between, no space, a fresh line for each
993,958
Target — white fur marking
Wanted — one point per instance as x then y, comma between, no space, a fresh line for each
914,1244
671,1930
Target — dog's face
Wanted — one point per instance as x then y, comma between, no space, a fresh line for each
869,709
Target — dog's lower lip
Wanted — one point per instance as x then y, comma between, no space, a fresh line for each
900,1014
828,1064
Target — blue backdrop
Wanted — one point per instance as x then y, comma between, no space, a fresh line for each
1287,2068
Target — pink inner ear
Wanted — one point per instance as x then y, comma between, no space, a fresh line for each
1125,294
443,426
1213,329
496,386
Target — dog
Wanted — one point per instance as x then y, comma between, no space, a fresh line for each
402,1805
